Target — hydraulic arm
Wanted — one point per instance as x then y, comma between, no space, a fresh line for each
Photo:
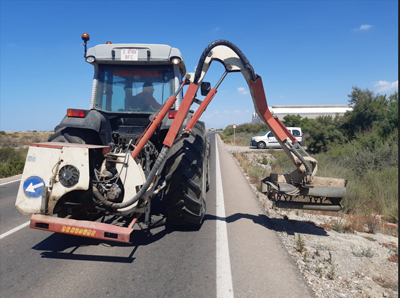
287,189
234,60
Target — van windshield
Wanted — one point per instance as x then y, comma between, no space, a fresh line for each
265,133
136,88
268,133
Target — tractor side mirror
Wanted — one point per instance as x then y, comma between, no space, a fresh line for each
205,88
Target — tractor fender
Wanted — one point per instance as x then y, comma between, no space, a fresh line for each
92,121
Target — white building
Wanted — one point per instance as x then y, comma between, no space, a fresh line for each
310,112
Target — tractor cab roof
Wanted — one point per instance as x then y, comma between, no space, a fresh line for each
128,53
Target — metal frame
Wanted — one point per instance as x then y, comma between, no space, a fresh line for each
83,228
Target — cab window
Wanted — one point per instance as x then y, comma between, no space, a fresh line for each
136,88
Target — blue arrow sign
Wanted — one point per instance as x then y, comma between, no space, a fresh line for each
33,187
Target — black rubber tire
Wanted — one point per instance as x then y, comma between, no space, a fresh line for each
185,173
261,145
208,164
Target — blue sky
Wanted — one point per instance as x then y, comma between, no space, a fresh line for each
307,52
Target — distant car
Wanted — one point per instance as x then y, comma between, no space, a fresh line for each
268,140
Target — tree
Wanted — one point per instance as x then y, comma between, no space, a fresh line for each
292,120
368,110
391,121
325,131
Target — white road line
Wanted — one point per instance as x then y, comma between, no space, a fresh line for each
14,230
10,182
20,226
224,275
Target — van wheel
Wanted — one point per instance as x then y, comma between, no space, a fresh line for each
261,145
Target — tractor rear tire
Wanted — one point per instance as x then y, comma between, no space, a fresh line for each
208,165
185,173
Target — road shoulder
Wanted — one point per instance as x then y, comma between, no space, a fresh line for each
260,262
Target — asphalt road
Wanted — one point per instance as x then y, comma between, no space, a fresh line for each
236,253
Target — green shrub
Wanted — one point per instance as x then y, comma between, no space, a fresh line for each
8,154
324,132
391,121
12,161
282,163
292,120
228,131
248,128
240,139
366,153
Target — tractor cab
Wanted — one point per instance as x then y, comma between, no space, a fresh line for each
134,78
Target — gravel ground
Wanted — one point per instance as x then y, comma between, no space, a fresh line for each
334,264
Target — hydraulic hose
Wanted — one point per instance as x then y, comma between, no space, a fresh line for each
159,161
230,45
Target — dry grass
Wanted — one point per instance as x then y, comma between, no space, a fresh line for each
376,192
360,223
22,138
356,222
367,253
383,282
256,173
393,259
242,139
394,250
326,227
369,238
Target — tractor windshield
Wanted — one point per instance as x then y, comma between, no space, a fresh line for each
136,88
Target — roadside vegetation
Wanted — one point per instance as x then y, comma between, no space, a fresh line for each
13,150
243,133
12,161
22,138
361,146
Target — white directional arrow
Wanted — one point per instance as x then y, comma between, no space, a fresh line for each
31,187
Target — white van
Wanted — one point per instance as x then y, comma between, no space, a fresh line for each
268,140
